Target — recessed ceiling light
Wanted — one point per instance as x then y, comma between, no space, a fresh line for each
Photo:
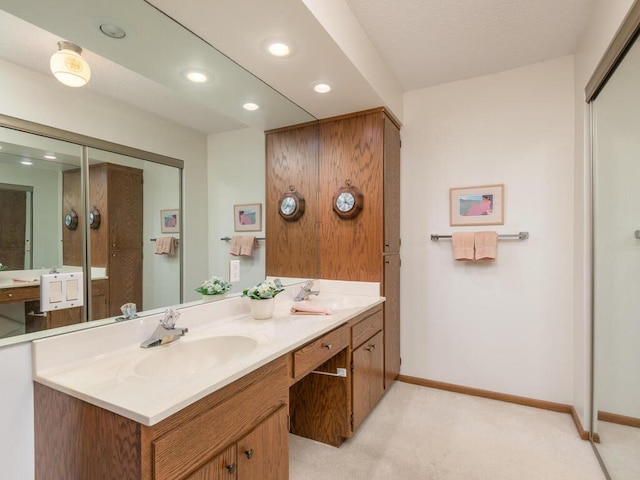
279,49
322,88
251,106
50,157
196,76
112,30
26,162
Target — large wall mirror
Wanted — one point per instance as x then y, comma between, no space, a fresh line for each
127,188
615,103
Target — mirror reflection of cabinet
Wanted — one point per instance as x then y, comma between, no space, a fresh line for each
116,245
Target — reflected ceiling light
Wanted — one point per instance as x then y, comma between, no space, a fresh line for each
251,106
196,76
112,30
50,157
68,66
26,162
322,88
279,49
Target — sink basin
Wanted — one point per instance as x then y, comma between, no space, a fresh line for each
185,357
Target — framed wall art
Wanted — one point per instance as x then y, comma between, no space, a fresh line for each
170,221
482,205
247,217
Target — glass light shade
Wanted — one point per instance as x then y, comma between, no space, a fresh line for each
68,66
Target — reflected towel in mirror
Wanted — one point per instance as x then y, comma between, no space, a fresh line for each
165,246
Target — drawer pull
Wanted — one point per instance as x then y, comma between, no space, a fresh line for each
328,346
231,468
10,295
249,453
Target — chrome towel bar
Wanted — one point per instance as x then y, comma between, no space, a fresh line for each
520,236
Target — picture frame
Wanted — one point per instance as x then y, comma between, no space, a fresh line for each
247,217
481,205
170,221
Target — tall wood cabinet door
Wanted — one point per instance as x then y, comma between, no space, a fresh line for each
375,347
13,209
125,279
391,291
72,240
391,188
222,467
125,196
264,453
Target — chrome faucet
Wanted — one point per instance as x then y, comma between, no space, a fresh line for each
166,332
305,291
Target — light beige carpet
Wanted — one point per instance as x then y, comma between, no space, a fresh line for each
419,433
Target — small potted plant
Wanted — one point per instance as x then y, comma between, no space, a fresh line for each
3,267
213,289
262,298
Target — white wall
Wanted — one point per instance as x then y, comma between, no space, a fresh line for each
41,99
603,23
506,326
236,176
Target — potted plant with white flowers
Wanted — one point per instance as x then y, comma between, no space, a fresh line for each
213,289
262,297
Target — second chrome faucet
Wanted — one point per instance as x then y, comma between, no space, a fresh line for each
167,331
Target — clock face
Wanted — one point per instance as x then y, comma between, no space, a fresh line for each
91,218
345,201
288,205
68,220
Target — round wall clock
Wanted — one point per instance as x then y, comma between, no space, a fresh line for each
291,205
71,220
94,217
347,202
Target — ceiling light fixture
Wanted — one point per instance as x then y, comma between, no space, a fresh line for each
279,49
112,30
322,88
68,66
26,162
196,76
50,157
251,106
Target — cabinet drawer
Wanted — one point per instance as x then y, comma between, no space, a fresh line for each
316,353
366,329
20,294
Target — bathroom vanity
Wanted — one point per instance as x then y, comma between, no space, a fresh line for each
218,403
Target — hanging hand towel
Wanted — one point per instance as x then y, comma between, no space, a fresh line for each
235,245
462,243
247,245
165,246
486,245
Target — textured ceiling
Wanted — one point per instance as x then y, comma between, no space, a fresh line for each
429,42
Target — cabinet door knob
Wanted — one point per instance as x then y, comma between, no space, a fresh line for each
231,468
371,347
10,295
328,346
249,453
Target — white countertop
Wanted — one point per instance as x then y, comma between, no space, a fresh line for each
26,278
97,365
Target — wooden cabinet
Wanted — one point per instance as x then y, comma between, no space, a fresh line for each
363,148
117,192
259,455
243,424
368,377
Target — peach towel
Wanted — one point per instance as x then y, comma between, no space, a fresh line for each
486,245
247,244
462,243
301,308
235,245
165,246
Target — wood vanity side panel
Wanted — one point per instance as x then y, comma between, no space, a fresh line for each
102,444
352,149
292,161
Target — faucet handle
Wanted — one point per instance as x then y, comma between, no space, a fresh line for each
171,316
